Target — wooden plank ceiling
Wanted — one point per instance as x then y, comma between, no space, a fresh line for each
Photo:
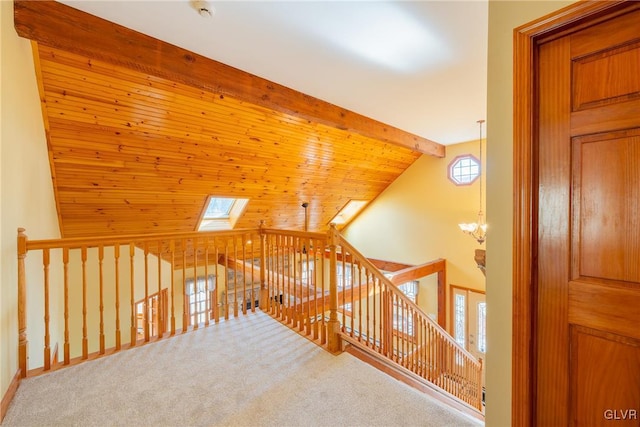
137,147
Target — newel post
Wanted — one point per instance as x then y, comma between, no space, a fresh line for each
22,304
264,292
333,332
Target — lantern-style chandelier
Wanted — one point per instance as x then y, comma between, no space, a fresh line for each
478,229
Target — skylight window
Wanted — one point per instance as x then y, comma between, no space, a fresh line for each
349,211
218,207
221,213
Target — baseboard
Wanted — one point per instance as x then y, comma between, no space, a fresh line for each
8,396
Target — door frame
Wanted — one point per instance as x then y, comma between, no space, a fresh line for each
525,231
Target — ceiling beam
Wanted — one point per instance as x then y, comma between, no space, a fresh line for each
54,24
417,272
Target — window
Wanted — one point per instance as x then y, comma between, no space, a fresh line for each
306,273
348,211
460,312
482,327
402,318
199,294
221,213
464,170
344,273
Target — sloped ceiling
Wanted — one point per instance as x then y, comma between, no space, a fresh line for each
141,132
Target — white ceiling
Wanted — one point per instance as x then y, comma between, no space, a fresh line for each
416,65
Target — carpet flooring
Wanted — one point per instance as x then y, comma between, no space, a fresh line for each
249,371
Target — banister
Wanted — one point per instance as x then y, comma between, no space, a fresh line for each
94,242
22,303
292,278
362,259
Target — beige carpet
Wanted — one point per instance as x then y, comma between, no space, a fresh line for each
250,371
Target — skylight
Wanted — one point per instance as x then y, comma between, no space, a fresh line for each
221,213
349,211
218,207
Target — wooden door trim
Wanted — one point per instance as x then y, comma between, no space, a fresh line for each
525,42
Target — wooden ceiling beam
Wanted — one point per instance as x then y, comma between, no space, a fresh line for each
417,272
54,24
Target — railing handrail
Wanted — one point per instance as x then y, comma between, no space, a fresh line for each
296,233
94,242
369,265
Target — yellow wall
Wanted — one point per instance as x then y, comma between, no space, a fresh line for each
26,188
415,220
504,16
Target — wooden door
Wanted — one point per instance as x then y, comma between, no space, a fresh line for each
587,319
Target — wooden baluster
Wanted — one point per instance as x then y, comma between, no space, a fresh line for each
207,291
101,296
352,293
265,301
132,283
244,276
160,307
310,285
226,280
216,310
116,257
253,280
196,306
323,331
314,247
280,277
274,282
333,326
185,297
360,283
374,325
367,310
23,343
65,264
479,382
85,340
172,250
297,283
390,299
145,316
286,275
47,337
344,289
235,278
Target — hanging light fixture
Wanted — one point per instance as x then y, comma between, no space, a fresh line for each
478,229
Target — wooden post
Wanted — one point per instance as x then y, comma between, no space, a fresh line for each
46,259
264,292
22,304
442,297
333,326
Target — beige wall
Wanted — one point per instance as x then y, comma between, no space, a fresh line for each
415,220
26,188
504,16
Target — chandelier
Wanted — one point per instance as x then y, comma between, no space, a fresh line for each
478,229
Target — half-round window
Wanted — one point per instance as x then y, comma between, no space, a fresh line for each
464,170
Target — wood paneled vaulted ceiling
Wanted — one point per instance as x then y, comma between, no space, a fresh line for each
140,132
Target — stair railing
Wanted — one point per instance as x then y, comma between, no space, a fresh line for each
85,292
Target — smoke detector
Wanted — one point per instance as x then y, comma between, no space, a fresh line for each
203,8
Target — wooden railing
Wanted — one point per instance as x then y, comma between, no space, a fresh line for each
316,283
378,317
93,284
